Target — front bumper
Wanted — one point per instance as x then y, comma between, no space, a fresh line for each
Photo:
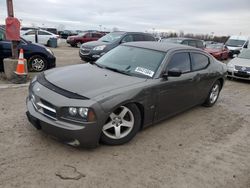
238,74
90,55
51,61
85,134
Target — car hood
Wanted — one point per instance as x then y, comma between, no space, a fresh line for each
89,80
234,48
93,44
241,62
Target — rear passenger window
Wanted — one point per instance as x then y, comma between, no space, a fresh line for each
180,61
199,61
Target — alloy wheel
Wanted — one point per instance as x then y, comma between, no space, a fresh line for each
120,123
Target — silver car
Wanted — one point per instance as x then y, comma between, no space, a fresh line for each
239,67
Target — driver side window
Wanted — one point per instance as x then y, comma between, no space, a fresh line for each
180,61
128,38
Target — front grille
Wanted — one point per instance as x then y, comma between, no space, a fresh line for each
242,74
241,68
44,107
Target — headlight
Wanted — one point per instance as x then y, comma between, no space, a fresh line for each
50,51
99,48
78,114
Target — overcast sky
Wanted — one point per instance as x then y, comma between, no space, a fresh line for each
223,17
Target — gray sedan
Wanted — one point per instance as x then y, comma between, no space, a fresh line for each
131,87
239,67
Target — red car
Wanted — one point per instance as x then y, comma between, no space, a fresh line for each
77,40
219,51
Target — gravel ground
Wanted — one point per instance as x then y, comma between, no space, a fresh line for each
203,147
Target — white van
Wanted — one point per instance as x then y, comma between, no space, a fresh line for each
235,44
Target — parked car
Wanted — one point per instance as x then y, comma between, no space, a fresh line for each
39,58
236,44
66,33
131,87
218,50
39,36
91,51
186,41
81,38
239,67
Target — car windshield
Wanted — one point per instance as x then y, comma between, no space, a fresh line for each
132,61
172,40
245,54
111,37
214,46
235,43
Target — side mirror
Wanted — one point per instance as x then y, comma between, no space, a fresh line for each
172,73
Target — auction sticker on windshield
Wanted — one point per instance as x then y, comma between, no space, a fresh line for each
144,71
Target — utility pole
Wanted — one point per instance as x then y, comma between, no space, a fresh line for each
14,44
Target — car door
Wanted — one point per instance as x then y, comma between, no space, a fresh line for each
5,46
30,36
43,37
176,94
202,78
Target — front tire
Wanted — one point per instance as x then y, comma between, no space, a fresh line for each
213,94
37,63
122,125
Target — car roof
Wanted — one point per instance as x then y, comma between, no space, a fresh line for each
160,46
184,38
129,32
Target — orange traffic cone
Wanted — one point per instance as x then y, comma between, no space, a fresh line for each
20,69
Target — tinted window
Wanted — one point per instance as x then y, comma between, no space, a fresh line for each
43,33
200,44
138,37
2,35
185,42
128,38
95,35
199,61
149,38
180,61
31,33
192,43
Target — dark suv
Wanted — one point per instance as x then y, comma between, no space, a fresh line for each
91,51
186,41
39,58
77,40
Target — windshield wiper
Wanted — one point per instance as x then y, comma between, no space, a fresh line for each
117,70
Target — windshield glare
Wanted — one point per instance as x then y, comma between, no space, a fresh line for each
111,37
235,43
133,61
245,54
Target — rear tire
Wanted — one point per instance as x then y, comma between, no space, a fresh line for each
122,125
213,94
